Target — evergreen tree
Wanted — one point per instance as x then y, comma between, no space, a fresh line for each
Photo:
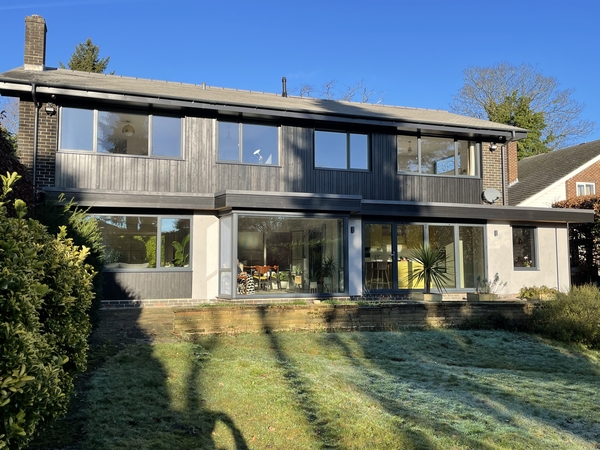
516,110
86,58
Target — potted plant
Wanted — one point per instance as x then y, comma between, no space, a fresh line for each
328,269
283,280
486,290
431,269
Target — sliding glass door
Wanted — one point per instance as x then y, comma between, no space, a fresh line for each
387,263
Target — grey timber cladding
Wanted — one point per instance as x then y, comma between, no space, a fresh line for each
147,285
199,172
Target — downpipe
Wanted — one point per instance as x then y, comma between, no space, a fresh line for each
35,139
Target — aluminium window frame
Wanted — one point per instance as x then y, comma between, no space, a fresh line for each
456,139
456,236
535,251
158,267
94,149
348,150
241,142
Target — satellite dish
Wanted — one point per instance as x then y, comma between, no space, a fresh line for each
491,195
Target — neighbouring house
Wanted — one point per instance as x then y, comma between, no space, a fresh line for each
206,193
555,176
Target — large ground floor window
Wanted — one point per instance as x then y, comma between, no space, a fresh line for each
279,255
145,242
388,246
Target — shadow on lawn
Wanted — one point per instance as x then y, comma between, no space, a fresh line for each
454,372
117,408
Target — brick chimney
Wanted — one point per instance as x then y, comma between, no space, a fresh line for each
512,167
35,43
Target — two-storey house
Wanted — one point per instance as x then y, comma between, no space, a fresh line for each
206,193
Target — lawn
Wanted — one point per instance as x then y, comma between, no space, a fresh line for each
435,389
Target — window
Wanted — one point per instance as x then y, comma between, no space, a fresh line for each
524,249
437,156
248,143
120,133
143,242
339,150
586,189
279,255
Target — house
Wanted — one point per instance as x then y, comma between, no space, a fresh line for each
560,175
206,193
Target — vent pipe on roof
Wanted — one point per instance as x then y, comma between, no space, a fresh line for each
283,87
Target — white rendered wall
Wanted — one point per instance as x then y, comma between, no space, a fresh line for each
205,282
553,259
355,257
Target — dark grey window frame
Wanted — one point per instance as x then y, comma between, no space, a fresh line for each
456,139
348,150
158,267
241,141
94,149
535,265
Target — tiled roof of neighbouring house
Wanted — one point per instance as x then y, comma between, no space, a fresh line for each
538,172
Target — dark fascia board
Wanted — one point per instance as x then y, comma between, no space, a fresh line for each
120,199
287,201
476,212
175,104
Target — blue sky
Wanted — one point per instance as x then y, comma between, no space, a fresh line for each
414,53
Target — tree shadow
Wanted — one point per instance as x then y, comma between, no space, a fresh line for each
455,377
115,407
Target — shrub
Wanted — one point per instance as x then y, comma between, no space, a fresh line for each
83,230
45,292
537,293
572,317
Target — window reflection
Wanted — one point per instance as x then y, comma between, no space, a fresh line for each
132,242
279,254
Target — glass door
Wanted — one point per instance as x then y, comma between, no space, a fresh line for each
378,257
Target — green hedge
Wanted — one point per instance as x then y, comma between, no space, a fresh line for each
45,293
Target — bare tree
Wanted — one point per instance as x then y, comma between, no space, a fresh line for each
485,86
9,114
331,91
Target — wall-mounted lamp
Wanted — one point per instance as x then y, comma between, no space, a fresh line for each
128,130
493,147
351,229
50,109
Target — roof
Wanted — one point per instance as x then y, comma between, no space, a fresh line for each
538,172
180,95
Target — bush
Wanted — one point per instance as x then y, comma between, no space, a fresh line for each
572,317
45,292
537,293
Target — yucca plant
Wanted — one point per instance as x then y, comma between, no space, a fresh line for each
432,270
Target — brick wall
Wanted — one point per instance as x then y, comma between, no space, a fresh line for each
589,175
35,43
46,146
512,165
492,169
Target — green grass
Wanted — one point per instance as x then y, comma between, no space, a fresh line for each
436,389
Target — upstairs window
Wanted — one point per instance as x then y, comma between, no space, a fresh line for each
340,150
437,156
248,143
586,189
120,133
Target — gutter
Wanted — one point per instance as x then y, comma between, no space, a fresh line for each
220,107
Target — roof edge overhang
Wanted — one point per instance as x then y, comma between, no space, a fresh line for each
179,103
229,200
